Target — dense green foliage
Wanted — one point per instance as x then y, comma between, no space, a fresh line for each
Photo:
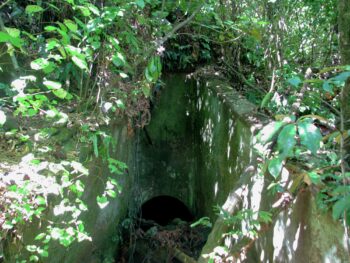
104,59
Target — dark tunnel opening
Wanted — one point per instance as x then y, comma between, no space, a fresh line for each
164,209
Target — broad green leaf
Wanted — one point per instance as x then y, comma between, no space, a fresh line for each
112,193
275,166
102,201
52,84
310,135
94,9
327,87
2,118
286,140
51,44
60,93
31,248
43,252
84,10
140,3
7,225
123,75
269,131
4,37
40,236
80,62
13,32
72,26
95,144
31,9
266,100
340,79
16,41
295,81
39,200
118,59
146,90
341,206
50,28
34,258
314,177
40,63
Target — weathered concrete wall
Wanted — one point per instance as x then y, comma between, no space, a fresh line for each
223,147
227,177
166,160
101,224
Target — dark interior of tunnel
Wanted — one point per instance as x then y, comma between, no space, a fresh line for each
164,209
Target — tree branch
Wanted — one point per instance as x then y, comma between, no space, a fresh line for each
4,4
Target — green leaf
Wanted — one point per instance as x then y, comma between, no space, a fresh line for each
341,206
84,10
118,59
43,252
34,258
314,177
95,144
269,131
72,26
60,93
266,100
112,193
52,84
40,236
31,9
123,75
2,118
13,32
4,37
16,41
31,248
94,9
39,64
80,62
140,3
286,140
102,201
7,225
295,81
275,166
327,87
310,135
50,28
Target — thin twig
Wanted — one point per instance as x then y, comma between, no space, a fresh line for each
4,4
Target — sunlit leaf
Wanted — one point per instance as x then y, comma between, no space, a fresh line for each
52,84
34,258
31,9
286,140
275,166
112,193
71,25
60,93
341,206
295,81
267,98
80,62
140,3
102,201
314,177
40,236
2,118
310,135
269,131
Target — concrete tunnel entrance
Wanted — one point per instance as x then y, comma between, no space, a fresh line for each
164,209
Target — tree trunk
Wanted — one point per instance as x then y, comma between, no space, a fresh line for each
344,42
